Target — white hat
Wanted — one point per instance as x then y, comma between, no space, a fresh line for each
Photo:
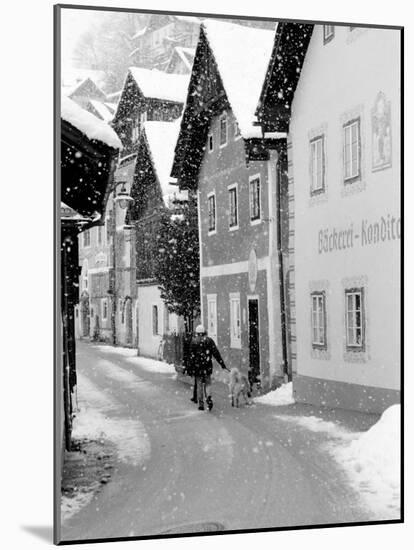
200,329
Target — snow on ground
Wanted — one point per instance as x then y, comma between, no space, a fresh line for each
371,460
146,363
280,396
87,123
69,506
92,422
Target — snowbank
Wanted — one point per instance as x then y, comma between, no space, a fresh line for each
372,462
93,422
280,396
88,124
145,363
242,55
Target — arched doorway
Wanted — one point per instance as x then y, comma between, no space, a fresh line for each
84,313
128,321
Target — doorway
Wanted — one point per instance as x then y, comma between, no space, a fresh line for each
254,348
128,321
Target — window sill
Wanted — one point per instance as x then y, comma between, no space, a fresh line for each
234,228
235,345
212,232
256,222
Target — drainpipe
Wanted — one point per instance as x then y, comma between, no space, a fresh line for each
200,254
279,171
113,277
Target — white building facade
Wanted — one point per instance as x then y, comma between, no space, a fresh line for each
345,226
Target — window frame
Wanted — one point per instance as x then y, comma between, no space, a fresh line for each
230,189
236,130
313,143
255,220
212,299
348,125
355,346
86,232
223,117
212,195
319,295
328,37
210,137
104,309
235,339
155,320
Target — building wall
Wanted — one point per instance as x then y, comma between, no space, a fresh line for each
148,339
227,256
332,234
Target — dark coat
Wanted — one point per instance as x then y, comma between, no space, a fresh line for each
201,355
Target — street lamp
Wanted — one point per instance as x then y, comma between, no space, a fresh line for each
123,199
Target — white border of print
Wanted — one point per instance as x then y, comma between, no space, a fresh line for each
27,487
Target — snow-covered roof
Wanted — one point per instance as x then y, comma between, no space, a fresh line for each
187,55
162,138
88,124
188,18
102,109
242,55
73,76
159,85
139,33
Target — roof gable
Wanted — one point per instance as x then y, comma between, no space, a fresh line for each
242,67
283,72
87,88
208,94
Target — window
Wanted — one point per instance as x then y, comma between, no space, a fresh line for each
85,274
134,133
328,33
233,214
318,320
104,305
223,130
121,308
210,143
155,320
254,191
317,165
354,302
212,315
236,130
99,234
352,151
235,324
211,212
86,238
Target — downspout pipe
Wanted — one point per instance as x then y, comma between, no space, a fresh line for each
279,176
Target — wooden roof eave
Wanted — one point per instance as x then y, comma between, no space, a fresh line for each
97,151
273,113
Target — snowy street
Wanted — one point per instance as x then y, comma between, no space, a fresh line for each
178,469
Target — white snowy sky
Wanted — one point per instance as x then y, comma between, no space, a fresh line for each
73,23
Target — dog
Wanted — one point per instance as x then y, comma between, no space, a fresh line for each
239,385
